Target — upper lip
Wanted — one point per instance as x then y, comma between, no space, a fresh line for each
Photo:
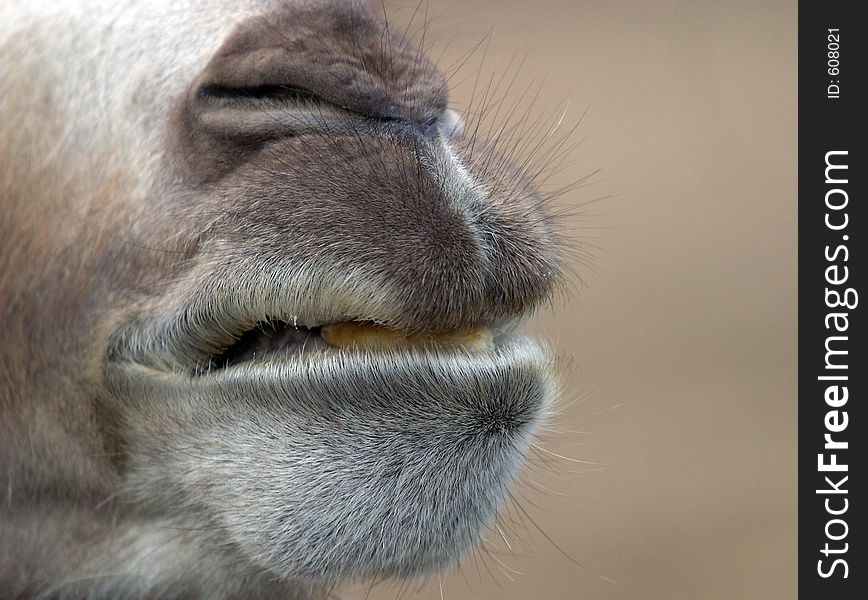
187,335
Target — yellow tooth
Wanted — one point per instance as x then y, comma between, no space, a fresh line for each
367,335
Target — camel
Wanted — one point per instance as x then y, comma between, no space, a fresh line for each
259,299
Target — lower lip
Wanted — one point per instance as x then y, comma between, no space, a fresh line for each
513,366
462,421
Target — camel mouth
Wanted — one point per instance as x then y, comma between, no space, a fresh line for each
210,331
268,341
275,340
419,448
442,420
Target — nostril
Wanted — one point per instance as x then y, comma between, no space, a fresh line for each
262,92
410,126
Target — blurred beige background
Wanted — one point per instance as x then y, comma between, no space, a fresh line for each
683,341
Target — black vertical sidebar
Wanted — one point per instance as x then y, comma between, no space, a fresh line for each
833,371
